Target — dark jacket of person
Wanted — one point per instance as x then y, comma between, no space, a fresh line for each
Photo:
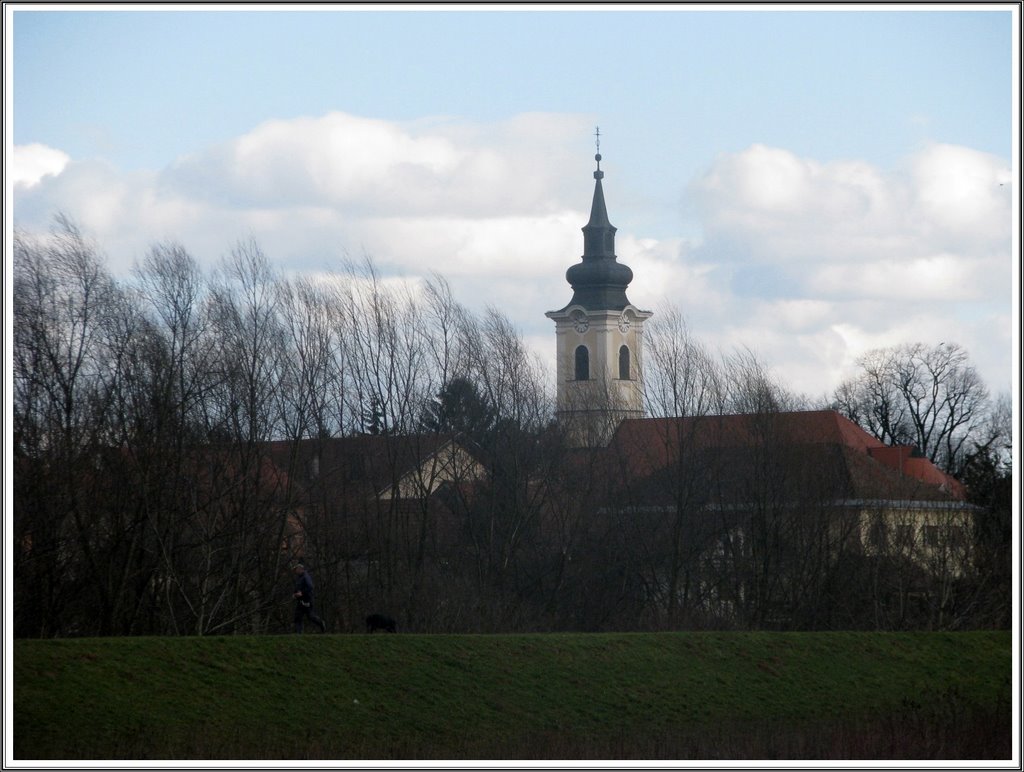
304,584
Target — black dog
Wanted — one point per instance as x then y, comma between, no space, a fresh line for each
379,622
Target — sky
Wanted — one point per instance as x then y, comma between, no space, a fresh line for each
807,182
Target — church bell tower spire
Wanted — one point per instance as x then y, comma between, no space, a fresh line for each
599,335
599,233
599,281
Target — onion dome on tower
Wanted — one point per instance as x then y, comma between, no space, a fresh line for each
600,281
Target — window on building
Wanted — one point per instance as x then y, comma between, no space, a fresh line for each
958,537
582,363
878,534
624,363
904,536
953,537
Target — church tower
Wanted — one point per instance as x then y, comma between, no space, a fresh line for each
599,337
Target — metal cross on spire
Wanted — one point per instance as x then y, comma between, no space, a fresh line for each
597,142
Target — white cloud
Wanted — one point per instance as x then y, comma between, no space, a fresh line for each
30,163
815,263
511,246
767,205
807,263
363,165
943,277
962,194
463,197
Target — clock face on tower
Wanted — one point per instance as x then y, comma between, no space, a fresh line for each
580,322
624,324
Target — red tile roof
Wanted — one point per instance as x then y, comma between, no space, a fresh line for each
823,441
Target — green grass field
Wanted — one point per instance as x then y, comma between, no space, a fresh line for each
667,695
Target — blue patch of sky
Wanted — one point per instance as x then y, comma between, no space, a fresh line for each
143,87
764,282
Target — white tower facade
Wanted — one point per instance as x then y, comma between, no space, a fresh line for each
599,338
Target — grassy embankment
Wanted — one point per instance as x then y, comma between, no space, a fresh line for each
610,696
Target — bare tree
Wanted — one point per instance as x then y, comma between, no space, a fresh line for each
385,348
446,322
931,397
681,377
716,549
236,513
497,388
312,381
72,336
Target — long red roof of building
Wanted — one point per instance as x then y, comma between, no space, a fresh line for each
644,446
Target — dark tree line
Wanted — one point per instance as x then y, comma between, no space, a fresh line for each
176,432
150,492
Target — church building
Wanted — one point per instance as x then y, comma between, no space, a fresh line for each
816,462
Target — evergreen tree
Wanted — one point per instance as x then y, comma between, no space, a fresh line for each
459,408
373,418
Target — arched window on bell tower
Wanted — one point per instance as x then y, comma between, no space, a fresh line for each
582,363
624,363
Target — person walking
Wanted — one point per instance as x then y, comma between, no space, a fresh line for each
304,599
